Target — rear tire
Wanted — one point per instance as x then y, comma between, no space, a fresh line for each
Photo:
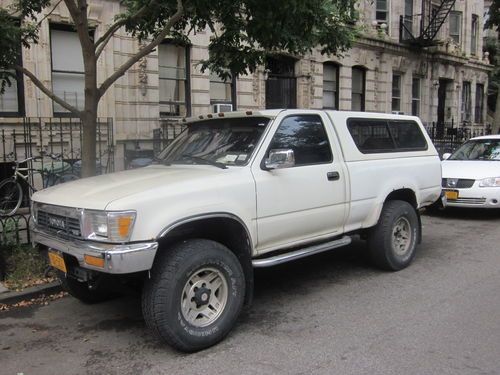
195,294
393,241
11,196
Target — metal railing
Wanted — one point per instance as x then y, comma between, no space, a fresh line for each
24,137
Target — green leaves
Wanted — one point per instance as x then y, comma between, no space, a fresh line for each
246,31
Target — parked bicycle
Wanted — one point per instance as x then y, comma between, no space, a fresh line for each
11,190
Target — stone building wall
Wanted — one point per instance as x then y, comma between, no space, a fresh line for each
133,101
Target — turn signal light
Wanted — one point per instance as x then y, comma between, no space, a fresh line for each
94,261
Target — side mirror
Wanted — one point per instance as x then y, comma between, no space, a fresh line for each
280,158
446,155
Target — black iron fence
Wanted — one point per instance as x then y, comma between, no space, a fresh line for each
21,138
447,137
14,230
149,148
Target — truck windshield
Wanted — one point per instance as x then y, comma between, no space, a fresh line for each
480,149
219,142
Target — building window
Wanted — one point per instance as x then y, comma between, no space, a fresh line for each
382,11
473,35
396,92
281,83
358,89
466,102
174,80
222,92
408,19
455,26
68,76
11,101
479,107
330,86
415,97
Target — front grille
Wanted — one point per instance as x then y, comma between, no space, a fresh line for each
59,224
462,183
475,201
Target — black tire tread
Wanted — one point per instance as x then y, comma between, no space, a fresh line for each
377,238
164,273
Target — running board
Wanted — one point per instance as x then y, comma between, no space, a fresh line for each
301,253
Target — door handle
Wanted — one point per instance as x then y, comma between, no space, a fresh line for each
333,176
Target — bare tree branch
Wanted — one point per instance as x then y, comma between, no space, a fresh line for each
144,51
72,8
78,13
104,39
46,91
48,14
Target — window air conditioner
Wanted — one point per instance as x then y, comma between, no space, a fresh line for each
222,108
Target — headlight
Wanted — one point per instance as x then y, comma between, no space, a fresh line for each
490,182
108,226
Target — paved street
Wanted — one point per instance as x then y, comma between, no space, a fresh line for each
331,314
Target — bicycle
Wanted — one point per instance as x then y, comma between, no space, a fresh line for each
11,191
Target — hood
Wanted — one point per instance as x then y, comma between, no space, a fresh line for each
471,169
99,191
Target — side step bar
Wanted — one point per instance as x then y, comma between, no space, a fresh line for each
301,253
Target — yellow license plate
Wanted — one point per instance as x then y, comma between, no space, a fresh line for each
451,194
57,261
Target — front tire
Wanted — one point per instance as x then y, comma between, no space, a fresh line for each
393,241
195,294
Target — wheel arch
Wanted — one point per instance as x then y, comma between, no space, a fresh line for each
225,228
409,196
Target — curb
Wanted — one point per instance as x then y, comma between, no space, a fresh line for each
29,293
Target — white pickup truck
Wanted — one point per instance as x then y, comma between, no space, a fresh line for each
233,192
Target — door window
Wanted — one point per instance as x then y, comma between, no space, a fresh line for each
306,136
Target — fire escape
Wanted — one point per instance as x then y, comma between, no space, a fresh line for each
434,14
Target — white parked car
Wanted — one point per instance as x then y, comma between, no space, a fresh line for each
471,175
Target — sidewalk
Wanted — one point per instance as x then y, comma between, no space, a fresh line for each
9,297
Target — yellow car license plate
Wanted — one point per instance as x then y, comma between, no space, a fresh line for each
57,261
451,194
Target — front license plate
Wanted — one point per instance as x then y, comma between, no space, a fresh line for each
57,261
451,194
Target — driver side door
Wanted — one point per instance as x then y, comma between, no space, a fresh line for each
306,201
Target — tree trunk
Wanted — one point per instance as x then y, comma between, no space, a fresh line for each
89,116
496,118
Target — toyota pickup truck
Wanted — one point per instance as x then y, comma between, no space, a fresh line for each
233,192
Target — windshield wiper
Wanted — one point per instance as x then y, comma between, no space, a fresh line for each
204,161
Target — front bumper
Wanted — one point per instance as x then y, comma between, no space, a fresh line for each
476,197
118,258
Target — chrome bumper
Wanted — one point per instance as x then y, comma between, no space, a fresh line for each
118,258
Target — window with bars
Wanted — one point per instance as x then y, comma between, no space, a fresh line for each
396,92
358,89
415,96
466,101
173,61
330,85
479,107
455,26
68,76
